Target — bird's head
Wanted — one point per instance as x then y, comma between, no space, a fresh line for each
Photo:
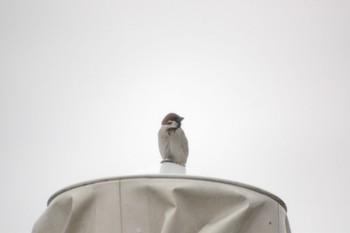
171,118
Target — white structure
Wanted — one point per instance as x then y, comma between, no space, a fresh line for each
169,202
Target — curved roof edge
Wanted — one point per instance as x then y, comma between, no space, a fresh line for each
185,177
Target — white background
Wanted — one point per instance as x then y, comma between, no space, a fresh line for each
264,87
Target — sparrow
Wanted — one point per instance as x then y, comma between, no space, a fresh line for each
172,141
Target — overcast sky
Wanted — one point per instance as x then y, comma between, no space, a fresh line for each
264,87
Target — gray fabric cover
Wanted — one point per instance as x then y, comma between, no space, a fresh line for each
162,204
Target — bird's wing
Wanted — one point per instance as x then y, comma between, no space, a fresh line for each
163,142
181,145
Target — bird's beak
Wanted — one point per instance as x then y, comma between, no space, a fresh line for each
180,118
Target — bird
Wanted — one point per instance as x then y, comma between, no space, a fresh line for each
172,141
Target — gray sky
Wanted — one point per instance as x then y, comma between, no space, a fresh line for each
263,86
